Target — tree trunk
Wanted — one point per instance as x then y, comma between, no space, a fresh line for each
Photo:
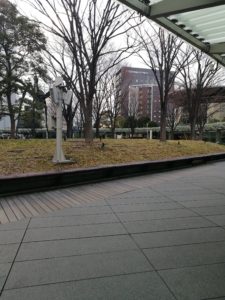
69,128
11,114
192,124
112,126
218,136
171,135
33,119
88,133
113,132
163,126
46,120
13,126
132,132
97,126
201,134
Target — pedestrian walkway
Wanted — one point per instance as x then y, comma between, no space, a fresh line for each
18,207
154,237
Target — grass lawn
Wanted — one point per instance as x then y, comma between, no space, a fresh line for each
28,156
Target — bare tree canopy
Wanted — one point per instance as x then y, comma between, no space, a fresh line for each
162,52
88,31
173,117
198,74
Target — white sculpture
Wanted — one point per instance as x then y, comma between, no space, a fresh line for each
58,95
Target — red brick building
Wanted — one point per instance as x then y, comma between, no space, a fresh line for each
138,93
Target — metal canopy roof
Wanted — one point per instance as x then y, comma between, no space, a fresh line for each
199,22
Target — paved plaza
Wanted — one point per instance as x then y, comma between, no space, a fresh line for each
161,240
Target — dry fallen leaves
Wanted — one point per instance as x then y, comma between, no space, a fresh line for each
32,156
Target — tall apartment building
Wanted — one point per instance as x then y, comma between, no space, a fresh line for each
138,93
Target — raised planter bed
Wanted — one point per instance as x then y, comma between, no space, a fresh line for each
26,183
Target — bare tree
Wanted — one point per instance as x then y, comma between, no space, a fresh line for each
196,76
110,95
79,121
99,106
117,97
111,108
173,118
214,109
102,91
113,104
133,104
207,111
61,63
87,29
162,52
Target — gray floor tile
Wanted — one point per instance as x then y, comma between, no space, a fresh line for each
50,249
151,215
217,298
203,203
14,225
144,207
219,189
179,237
72,220
96,203
55,270
2,281
210,210
11,236
8,252
197,282
140,192
58,233
212,185
187,255
219,219
174,189
77,211
220,298
137,200
189,196
4,270
167,224
144,286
